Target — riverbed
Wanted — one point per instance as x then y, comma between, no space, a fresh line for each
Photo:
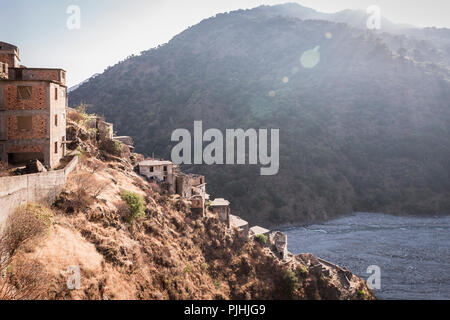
413,253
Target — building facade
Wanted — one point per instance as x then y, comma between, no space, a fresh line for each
32,112
188,185
160,171
221,208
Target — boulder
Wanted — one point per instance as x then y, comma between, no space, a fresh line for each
35,166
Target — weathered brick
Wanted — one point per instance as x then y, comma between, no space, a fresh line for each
28,148
37,101
45,107
39,128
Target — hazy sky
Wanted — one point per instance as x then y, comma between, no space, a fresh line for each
113,29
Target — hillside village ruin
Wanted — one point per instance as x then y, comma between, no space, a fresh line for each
34,133
192,187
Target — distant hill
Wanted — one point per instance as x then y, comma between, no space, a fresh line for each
367,128
81,83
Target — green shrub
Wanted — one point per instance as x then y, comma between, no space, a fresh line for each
113,147
117,147
303,269
136,205
362,294
291,281
261,238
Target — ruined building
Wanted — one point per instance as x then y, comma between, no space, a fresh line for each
32,111
221,208
189,184
158,171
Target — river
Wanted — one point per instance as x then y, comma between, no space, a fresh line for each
413,253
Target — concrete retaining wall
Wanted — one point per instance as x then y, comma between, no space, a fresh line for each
40,187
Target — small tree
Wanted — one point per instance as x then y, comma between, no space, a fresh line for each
261,238
291,281
135,203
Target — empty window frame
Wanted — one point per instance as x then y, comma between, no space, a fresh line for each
56,93
56,120
24,92
56,147
25,123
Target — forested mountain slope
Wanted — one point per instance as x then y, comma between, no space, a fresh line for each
362,125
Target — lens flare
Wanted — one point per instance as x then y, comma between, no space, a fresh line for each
310,58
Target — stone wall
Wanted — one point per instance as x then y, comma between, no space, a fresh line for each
40,187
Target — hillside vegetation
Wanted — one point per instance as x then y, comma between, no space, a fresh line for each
365,126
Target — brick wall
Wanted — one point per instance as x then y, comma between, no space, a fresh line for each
8,58
25,148
197,179
39,128
47,107
3,70
44,74
37,101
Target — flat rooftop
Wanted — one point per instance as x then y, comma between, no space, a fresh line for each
258,230
153,162
237,221
220,202
26,68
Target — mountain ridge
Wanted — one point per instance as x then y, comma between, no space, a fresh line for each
363,146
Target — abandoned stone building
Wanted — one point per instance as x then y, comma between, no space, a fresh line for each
32,111
198,208
158,171
9,54
240,225
126,140
279,244
188,185
221,208
257,230
105,130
